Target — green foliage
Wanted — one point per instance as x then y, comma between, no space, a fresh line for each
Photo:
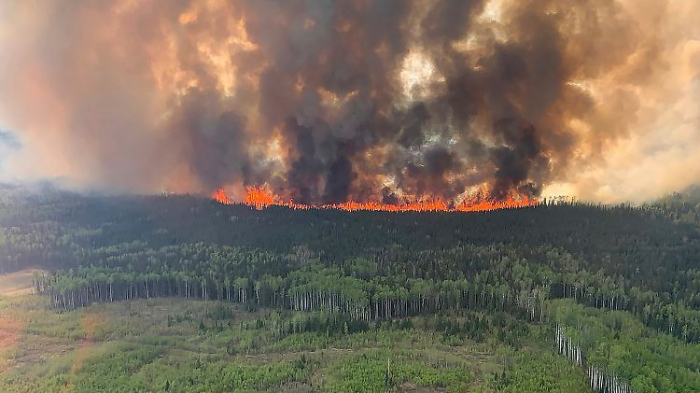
115,371
623,282
541,372
229,377
618,342
381,371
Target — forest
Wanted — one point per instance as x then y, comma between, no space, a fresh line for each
608,296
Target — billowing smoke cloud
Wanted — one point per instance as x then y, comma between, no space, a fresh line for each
326,101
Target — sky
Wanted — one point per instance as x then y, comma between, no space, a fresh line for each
329,101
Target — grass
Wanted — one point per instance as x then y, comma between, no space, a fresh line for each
17,283
186,345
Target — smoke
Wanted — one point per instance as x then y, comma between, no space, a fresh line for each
8,146
327,101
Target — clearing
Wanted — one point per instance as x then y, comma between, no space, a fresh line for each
17,283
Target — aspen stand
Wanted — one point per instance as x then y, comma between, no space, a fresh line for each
599,380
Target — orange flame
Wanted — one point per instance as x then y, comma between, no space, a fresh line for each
481,205
260,198
220,196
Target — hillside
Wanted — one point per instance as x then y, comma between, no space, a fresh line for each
500,294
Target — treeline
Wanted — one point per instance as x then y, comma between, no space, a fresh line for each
681,206
391,285
644,245
311,288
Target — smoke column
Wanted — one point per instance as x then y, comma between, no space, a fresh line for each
329,101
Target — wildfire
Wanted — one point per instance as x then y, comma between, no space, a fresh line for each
260,198
220,196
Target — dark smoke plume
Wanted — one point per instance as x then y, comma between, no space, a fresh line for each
328,101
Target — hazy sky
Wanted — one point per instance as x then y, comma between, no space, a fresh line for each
326,101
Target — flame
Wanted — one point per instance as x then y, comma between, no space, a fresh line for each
220,196
478,204
260,198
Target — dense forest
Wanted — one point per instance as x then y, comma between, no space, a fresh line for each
594,279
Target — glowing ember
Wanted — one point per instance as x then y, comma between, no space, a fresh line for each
261,198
